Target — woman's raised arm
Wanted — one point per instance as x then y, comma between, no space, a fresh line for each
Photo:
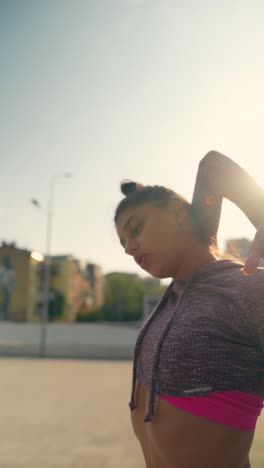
219,177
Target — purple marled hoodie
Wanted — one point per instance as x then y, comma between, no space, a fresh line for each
206,334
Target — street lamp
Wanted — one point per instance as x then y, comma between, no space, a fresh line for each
47,264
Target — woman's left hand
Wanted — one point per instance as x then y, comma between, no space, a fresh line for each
256,252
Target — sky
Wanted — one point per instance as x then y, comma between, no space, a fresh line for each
115,89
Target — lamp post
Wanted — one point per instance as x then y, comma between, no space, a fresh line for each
47,264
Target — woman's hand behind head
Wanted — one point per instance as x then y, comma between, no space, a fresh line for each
256,252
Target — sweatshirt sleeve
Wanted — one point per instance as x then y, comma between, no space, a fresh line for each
218,177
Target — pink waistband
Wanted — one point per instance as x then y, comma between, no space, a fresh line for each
230,407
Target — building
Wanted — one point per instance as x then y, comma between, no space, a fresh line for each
150,282
69,279
149,302
239,248
73,286
96,278
19,283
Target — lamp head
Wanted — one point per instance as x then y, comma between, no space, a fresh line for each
35,202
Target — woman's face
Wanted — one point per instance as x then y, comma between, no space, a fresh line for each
154,238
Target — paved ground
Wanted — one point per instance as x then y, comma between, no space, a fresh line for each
72,414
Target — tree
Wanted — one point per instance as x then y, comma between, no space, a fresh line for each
94,315
123,298
124,295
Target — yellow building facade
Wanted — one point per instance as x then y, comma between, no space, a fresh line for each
19,283
22,282
68,278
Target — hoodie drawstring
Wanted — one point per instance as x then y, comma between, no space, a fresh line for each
152,397
132,403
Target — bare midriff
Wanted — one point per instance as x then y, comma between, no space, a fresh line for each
176,438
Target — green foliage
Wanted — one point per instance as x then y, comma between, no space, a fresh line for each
124,296
95,315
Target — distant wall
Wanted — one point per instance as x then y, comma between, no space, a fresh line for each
84,341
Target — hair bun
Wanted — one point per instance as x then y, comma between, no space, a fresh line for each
128,186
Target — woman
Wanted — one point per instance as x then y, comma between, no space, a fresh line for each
198,373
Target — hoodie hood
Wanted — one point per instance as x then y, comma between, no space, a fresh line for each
209,271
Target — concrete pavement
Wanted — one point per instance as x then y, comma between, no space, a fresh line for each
73,414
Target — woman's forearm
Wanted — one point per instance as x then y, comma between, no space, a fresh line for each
219,177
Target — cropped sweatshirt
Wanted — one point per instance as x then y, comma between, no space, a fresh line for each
206,334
